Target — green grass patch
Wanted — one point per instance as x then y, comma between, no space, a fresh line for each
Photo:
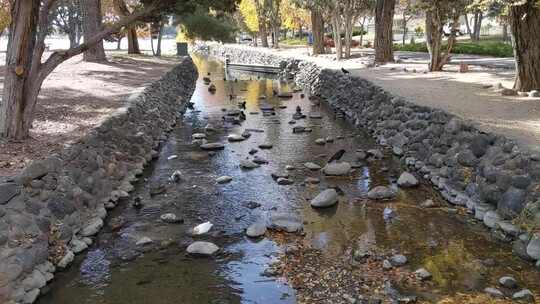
294,41
483,47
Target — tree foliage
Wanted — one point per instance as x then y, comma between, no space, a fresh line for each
5,17
249,14
204,25
293,17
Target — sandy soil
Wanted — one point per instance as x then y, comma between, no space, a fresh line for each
75,97
460,93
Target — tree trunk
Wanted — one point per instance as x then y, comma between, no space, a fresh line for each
525,26
317,29
160,35
468,26
384,19
404,27
478,16
505,33
151,40
362,30
336,31
25,69
349,22
119,43
133,41
18,78
434,39
275,42
91,15
72,39
263,33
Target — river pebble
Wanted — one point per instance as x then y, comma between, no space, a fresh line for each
327,198
202,248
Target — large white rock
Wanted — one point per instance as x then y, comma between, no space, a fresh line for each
327,198
202,248
341,168
407,180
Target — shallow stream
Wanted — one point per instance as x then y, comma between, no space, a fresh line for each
115,270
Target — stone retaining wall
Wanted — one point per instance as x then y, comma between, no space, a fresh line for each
50,211
484,172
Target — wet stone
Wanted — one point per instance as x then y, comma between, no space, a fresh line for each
8,191
524,295
202,248
381,193
398,260
407,180
337,169
284,181
494,292
248,164
255,230
533,248
312,166
422,274
265,146
327,198
144,241
224,179
285,222
170,218
212,146
508,282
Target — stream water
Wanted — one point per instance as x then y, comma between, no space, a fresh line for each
115,270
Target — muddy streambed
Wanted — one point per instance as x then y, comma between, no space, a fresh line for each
460,254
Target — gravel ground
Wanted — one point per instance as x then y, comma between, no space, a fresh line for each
76,97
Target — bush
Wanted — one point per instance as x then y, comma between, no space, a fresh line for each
487,48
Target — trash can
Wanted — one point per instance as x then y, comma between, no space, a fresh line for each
181,49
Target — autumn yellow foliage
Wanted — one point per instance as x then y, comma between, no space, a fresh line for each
249,13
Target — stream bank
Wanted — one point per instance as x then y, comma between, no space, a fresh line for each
53,208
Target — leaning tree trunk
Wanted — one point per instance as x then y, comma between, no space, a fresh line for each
317,29
91,14
19,81
525,26
384,19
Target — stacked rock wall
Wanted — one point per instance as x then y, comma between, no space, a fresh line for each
52,208
487,173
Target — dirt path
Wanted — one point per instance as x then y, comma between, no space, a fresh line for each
459,93
75,97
